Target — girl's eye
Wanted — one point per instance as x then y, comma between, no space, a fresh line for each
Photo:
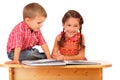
69,25
75,26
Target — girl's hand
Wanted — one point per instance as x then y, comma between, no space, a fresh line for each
61,57
12,62
55,55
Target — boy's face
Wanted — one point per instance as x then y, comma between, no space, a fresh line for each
36,23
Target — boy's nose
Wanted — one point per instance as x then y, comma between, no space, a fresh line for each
40,26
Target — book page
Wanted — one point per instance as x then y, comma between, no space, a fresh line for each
81,62
43,62
51,62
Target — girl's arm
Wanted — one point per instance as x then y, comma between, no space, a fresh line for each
80,56
55,51
46,50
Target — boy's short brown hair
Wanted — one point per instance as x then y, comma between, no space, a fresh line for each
32,9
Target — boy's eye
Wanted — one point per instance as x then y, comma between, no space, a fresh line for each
38,22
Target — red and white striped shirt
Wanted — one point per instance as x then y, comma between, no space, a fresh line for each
23,37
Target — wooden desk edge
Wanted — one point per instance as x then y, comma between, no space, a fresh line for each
66,66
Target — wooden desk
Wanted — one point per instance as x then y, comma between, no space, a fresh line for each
69,72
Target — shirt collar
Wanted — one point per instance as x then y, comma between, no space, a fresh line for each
27,27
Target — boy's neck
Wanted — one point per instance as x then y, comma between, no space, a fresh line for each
31,30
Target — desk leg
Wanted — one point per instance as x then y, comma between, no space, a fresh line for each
11,73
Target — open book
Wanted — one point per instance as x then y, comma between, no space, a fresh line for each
53,62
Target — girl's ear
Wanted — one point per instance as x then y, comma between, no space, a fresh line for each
63,25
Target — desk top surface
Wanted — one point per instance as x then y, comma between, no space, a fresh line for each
103,64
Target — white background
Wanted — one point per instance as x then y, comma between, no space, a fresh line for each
100,28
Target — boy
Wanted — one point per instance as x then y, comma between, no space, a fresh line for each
26,35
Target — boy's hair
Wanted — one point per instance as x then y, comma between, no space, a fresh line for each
73,14
32,9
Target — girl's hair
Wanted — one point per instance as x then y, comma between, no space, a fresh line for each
32,9
73,14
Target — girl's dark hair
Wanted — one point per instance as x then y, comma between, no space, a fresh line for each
73,14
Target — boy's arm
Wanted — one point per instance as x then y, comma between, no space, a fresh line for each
16,57
46,50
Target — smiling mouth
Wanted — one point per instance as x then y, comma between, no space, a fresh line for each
71,33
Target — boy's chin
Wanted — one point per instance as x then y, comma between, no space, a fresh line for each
36,30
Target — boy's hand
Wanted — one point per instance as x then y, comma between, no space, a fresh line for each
12,62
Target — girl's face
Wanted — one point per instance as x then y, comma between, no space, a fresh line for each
71,27
36,23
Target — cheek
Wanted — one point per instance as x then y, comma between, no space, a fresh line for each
76,29
35,25
39,25
32,24
66,29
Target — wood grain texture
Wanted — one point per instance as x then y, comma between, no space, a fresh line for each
58,74
68,72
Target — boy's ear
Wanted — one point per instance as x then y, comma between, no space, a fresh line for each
27,20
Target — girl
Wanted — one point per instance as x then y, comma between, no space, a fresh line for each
70,43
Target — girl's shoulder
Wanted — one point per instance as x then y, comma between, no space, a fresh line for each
79,35
59,36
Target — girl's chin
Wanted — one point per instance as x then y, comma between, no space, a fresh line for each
69,36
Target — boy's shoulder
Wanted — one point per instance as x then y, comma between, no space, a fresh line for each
21,25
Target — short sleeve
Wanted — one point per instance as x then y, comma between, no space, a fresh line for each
41,39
